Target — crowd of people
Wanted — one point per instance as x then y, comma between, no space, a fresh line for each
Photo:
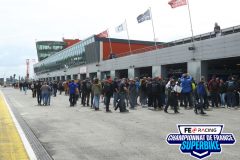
156,93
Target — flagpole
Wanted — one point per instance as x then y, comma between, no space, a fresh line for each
130,49
110,44
153,28
190,19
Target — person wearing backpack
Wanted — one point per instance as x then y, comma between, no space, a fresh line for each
213,86
231,91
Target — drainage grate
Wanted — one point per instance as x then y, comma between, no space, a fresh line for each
37,147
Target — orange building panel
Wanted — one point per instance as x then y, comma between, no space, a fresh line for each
121,49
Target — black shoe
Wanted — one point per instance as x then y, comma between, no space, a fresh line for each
195,111
176,112
165,111
108,111
203,113
125,111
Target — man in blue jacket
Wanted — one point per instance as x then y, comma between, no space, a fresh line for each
72,93
186,84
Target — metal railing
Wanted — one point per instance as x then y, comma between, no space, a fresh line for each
200,37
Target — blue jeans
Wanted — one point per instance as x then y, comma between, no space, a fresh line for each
96,99
222,96
115,98
45,98
231,99
25,90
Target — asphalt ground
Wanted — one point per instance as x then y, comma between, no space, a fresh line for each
80,133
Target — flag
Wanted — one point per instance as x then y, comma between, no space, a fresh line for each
121,27
177,3
143,17
103,34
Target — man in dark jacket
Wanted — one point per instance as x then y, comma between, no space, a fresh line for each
231,91
213,86
39,94
107,92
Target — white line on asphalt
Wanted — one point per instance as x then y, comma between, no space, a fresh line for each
26,143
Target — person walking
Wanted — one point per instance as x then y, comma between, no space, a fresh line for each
25,87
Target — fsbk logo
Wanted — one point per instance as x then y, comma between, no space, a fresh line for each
200,140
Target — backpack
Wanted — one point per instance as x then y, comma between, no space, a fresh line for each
107,88
155,88
193,86
231,85
88,86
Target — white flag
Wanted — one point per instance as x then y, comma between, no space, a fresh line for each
121,27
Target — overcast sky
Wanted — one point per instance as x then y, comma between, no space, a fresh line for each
25,21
